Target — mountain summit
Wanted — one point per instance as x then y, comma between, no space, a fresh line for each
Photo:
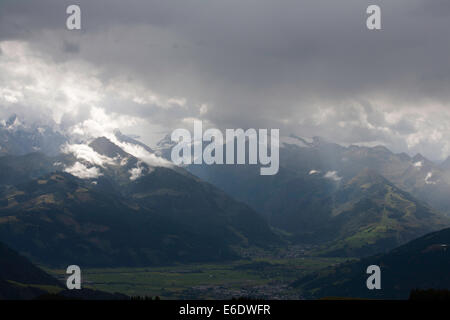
105,147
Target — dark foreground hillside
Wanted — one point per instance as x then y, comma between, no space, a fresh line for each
423,263
21,280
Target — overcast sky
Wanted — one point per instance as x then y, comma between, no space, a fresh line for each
307,67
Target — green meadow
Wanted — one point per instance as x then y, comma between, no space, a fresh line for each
261,277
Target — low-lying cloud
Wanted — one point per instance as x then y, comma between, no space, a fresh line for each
83,172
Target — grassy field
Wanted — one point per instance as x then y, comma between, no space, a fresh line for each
264,278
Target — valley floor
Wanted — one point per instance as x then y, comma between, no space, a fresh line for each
264,278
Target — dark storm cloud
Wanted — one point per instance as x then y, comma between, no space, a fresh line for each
309,67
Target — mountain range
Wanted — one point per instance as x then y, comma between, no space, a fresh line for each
113,201
97,205
353,201
19,138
